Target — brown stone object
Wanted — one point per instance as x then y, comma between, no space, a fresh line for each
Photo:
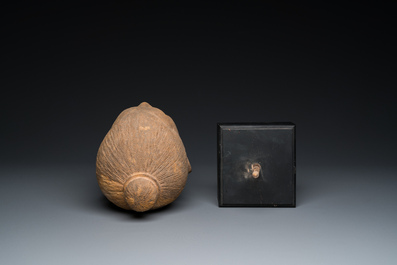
256,169
141,163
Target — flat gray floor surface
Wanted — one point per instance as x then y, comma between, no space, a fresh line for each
57,215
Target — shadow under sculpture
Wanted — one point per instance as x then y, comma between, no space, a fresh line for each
142,163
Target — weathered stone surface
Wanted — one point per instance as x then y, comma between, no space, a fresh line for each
142,162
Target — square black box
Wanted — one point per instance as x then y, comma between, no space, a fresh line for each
244,146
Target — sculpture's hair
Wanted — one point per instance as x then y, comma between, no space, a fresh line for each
141,162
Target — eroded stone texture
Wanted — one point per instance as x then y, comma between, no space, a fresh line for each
142,162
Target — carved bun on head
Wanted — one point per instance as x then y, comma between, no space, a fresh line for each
141,162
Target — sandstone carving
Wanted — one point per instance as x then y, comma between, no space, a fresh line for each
142,163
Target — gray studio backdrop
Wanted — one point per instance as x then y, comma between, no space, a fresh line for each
70,70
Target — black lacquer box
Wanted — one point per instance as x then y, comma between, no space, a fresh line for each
256,164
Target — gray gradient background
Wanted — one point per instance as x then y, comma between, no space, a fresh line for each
70,70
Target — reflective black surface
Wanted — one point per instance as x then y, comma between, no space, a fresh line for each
240,147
